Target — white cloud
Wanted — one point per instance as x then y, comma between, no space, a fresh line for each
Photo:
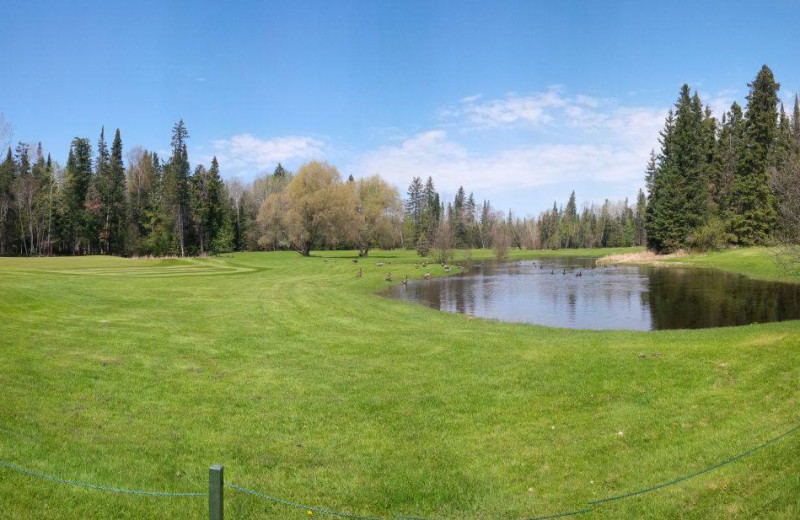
721,102
245,153
572,140
533,110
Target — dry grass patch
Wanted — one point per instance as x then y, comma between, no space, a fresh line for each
641,257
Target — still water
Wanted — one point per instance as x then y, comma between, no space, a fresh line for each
573,293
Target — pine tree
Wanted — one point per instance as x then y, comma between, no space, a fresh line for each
98,189
216,196
199,205
753,215
680,197
639,219
7,170
78,176
113,198
663,204
725,158
457,223
176,186
413,208
795,126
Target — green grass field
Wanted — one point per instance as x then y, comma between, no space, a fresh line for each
311,387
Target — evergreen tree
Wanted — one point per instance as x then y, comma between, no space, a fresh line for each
639,219
795,126
113,198
280,171
753,215
663,204
680,198
176,186
725,158
78,177
7,169
414,207
457,224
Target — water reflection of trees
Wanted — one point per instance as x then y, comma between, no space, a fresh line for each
690,299
624,297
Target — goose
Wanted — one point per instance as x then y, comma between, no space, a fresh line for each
389,276
379,264
426,276
360,272
405,282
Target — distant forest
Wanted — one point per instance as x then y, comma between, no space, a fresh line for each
712,183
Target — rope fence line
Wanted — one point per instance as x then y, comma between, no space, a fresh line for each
563,515
216,486
684,478
96,487
319,510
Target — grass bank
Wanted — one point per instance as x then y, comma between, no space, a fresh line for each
755,262
310,387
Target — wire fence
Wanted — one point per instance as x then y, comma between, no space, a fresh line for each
592,506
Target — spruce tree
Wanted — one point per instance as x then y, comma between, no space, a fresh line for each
663,203
795,126
113,196
7,169
753,215
176,187
414,207
723,170
680,198
639,219
78,176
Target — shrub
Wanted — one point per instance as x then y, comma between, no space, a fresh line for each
710,236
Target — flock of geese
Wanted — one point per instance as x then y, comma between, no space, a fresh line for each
446,268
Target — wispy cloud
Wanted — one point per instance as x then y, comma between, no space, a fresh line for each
244,154
572,139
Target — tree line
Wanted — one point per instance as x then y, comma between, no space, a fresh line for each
712,183
95,205
733,181
100,203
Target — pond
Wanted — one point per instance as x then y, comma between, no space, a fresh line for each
575,293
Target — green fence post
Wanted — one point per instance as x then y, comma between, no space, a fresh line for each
215,485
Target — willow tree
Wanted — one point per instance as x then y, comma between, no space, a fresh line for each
379,214
315,209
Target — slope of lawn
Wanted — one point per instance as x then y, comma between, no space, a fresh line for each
311,387
755,262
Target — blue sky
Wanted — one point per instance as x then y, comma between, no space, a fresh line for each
519,101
